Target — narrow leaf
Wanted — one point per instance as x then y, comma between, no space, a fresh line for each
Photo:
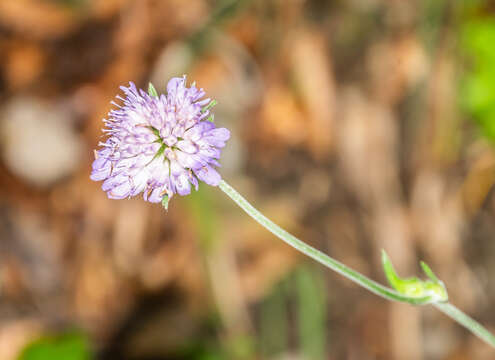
429,272
390,272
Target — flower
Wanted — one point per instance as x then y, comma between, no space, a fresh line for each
159,145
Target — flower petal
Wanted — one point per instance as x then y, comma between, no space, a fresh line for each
182,185
208,175
120,192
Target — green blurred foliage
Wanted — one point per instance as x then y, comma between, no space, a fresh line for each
478,85
303,293
76,4
69,346
274,321
312,312
432,16
240,348
199,205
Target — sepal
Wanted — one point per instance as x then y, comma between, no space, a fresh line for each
165,200
152,91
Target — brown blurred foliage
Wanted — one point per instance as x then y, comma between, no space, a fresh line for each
345,131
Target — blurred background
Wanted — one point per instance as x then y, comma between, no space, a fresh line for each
357,125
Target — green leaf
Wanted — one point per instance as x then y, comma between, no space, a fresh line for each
152,90
165,202
71,346
414,287
428,271
394,280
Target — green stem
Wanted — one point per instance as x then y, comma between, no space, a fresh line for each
317,255
469,323
351,274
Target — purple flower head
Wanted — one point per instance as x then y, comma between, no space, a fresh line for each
159,145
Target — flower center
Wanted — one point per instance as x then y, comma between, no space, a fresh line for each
168,142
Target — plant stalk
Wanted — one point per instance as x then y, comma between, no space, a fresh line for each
371,285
